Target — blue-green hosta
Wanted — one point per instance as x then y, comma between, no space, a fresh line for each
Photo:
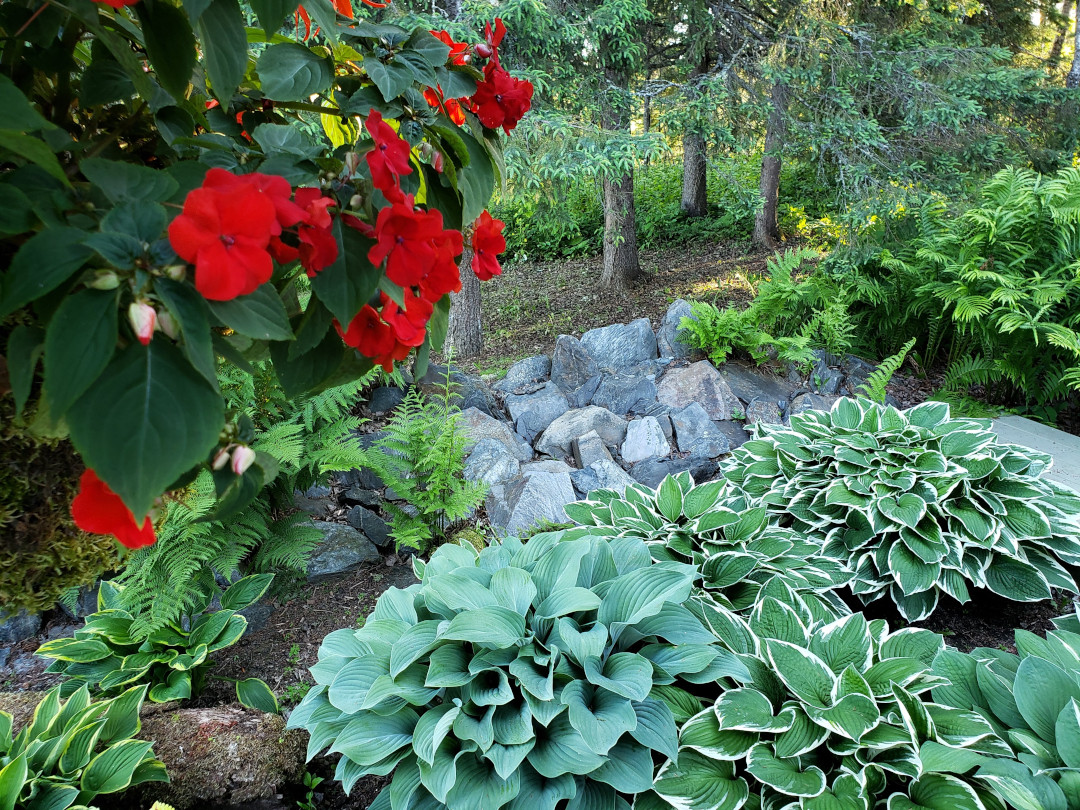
832,719
1033,700
918,503
736,549
71,751
174,661
517,677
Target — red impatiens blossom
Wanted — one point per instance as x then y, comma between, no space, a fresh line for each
435,99
99,510
487,243
493,37
117,4
318,247
225,232
443,277
409,324
459,51
372,337
390,157
406,239
275,187
501,100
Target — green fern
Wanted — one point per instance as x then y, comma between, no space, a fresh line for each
879,378
422,459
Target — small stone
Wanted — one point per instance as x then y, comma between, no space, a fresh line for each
364,497
374,527
560,434
19,627
476,425
734,432
363,478
810,402
621,345
524,372
696,433
603,474
644,439
667,336
764,410
698,382
342,549
532,413
582,396
665,425
316,507
856,370
317,491
653,471
467,391
491,463
748,384
528,500
85,604
5,653
61,630
589,448
385,399
826,381
258,616
572,367
623,393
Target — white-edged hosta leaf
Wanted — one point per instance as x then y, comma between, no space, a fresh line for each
1016,580
784,775
804,735
750,710
802,672
936,791
1018,786
700,783
702,733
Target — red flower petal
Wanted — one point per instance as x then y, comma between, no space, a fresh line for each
99,510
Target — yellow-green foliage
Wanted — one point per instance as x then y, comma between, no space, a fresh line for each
42,554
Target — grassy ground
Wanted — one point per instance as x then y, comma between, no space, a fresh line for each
531,304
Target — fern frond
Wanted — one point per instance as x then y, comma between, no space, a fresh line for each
879,378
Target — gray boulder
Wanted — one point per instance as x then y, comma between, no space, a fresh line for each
468,391
734,432
546,465
477,425
589,448
621,346
624,393
524,372
749,385
525,501
491,462
603,474
811,402
19,627
698,382
534,412
696,433
573,368
856,371
559,437
342,549
764,410
374,527
385,398
644,439
653,471
667,336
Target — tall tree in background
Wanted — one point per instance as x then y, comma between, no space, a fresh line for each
766,224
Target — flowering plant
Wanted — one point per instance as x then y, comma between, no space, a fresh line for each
160,213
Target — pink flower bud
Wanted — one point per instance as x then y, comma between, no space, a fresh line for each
221,459
242,458
143,319
167,324
105,280
483,50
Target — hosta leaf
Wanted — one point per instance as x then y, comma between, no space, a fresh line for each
1023,790
600,716
1067,734
626,674
638,594
540,793
803,672
629,768
1042,690
784,775
703,734
369,738
1016,580
431,729
669,499
749,710
700,783
655,727
478,785
513,588
844,642
492,627
560,749
934,791
804,735
776,620
852,716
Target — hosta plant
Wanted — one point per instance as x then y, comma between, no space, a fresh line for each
917,503
736,549
520,676
174,661
72,751
1033,699
833,717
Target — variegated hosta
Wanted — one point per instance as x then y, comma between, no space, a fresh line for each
520,676
1033,700
735,548
917,503
832,718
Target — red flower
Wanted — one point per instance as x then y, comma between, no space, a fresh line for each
487,243
501,100
493,38
318,249
435,99
118,4
444,276
225,232
390,157
405,240
459,51
373,338
99,510
409,324
276,188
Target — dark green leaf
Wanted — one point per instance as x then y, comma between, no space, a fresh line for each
33,149
272,13
312,329
16,213
476,181
260,315
225,45
193,317
170,44
255,694
43,263
310,370
24,347
128,182
392,78
346,285
79,344
148,418
291,72
19,114
118,249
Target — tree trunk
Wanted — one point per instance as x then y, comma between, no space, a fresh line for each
1072,81
1059,38
620,235
766,229
463,335
694,199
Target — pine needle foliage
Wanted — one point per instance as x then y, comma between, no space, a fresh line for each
309,438
422,459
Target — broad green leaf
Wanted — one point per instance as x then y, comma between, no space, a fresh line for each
225,47
490,628
627,674
700,783
1023,790
629,768
1067,734
260,315
369,738
291,72
1016,580
479,785
170,44
272,13
33,149
246,591
784,775
600,716
255,694
347,284
641,593
111,770
804,673
655,727
24,348
124,182
145,421
561,749
1042,690
12,778
44,262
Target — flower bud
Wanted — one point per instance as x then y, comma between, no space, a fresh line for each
176,272
483,50
167,324
352,162
242,458
220,459
105,280
356,201
437,162
143,319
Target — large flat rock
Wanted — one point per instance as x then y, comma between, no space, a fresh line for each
559,437
699,382
620,345
477,425
529,499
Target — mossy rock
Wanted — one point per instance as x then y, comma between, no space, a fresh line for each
475,537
